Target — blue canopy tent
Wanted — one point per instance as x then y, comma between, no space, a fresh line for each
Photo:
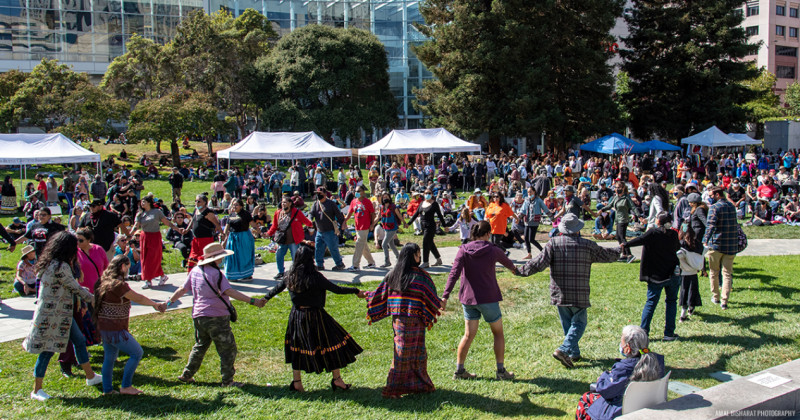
658,145
612,144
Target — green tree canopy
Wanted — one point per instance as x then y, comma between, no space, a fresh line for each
141,73
10,82
686,66
327,80
517,68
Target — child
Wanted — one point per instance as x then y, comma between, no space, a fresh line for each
464,223
25,279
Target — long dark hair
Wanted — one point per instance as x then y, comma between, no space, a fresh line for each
403,272
303,273
62,247
655,189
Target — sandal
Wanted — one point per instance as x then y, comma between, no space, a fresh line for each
113,392
232,384
334,387
292,388
186,380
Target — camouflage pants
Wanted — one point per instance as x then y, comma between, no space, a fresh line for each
217,330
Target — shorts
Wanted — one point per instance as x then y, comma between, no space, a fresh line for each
490,311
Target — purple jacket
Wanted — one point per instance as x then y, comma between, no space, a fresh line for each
475,266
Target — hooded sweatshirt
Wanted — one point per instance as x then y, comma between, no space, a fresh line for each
475,266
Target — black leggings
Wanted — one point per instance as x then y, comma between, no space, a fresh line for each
530,238
622,229
498,240
428,245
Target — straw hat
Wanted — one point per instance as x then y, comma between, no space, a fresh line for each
213,252
27,250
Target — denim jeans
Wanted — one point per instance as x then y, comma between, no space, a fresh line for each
573,321
479,214
129,346
78,342
329,240
600,224
671,287
281,254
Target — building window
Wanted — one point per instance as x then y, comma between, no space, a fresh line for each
780,30
752,10
793,12
784,72
792,32
780,10
786,51
752,30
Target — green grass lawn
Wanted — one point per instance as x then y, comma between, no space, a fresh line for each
758,331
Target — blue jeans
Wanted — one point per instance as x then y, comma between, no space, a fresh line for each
329,240
281,254
131,347
671,287
78,342
573,321
69,201
600,224
479,214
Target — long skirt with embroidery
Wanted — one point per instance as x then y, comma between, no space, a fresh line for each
316,342
409,372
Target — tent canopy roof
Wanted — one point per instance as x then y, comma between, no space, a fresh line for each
744,139
612,144
28,149
712,137
281,145
424,140
659,145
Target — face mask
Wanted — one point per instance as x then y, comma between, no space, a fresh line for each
622,352
386,201
712,200
358,195
321,196
684,227
428,196
620,192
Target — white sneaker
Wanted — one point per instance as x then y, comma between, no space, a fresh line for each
40,395
147,285
163,280
98,379
437,263
424,265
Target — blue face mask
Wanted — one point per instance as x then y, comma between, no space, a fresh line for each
622,352
428,196
358,195
684,227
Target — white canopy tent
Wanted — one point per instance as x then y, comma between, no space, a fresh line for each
713,137
282,145
424,140
40,149
744,139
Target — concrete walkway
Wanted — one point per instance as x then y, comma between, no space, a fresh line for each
16,313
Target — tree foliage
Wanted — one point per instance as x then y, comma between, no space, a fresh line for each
141,73
53,95
792,98
686,67
10,82
327,80
517,68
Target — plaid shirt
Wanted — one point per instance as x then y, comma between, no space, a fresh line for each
722,233
570,259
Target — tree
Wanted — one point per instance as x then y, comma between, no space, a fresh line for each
10,82
215,54
687,68
42,96
793,99
177,114
138,74
517,68
327,80
90,111
767,104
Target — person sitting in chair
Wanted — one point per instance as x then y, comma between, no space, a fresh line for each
604,400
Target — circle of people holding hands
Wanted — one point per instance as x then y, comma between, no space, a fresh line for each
106,244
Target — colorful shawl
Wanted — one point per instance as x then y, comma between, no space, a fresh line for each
419,300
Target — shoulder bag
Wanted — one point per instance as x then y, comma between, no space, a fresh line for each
280,234
231,308
333,222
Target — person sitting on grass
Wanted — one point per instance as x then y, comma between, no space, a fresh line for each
25,279
638,364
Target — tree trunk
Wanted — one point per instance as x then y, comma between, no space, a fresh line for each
158,146
210,145
176,156
494,144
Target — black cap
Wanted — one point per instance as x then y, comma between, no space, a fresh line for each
96,202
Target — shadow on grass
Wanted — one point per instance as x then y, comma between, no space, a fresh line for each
416,403
767,280
151,405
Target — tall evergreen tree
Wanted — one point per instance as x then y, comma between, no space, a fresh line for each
517,67
686,67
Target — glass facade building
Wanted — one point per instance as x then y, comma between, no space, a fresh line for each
89,34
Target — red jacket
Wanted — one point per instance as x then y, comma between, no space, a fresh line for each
297,225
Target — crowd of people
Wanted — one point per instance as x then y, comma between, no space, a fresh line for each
680,210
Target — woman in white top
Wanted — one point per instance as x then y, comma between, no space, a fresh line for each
659,202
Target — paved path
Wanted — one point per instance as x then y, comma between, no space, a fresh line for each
16,313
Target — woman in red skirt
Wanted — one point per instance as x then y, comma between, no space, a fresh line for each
148,221
408,294
204,224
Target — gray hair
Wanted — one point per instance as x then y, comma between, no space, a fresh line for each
648,367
